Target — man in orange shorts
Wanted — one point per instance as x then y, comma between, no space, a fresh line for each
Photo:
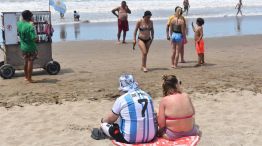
123,10
199,40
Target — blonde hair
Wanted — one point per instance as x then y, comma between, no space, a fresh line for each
169,85
179,11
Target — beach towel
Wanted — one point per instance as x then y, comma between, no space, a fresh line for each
184,141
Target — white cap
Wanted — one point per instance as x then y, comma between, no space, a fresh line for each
127,83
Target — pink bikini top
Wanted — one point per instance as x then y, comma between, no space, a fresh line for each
179,118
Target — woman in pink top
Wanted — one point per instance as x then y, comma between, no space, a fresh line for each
176,111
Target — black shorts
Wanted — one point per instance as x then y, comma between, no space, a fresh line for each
30,55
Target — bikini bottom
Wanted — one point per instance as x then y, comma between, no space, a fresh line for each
143,40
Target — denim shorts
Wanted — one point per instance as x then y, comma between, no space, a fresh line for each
176,37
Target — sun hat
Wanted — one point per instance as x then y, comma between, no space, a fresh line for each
127,83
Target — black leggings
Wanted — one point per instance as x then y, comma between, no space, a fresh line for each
114,131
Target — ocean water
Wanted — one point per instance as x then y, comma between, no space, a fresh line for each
100,10
218,14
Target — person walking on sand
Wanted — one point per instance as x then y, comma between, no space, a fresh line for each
184,38
122,15
239,7
28,37
134,112
186,6
177,33
199,42
145,36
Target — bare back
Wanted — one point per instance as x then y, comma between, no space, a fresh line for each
178,105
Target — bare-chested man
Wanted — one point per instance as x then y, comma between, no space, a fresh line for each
123,11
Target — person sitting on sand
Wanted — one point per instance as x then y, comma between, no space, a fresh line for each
176,111
135,112
145,36
76,16
199,42
123,10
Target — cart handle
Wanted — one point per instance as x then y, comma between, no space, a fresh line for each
2,48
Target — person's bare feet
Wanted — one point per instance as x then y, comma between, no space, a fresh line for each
144,69
174,66
31,81
183,61
197,65
118,42
124,42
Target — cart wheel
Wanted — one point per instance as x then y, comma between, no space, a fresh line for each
7,71
52,67
2,63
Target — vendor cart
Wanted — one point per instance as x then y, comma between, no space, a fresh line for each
13,59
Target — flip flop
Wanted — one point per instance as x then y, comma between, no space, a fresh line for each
98,134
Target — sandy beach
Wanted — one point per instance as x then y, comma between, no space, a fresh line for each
61,110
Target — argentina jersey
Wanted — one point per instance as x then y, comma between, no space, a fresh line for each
136,111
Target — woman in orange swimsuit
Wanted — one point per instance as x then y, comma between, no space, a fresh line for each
176,111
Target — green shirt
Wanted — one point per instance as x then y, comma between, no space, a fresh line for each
27,36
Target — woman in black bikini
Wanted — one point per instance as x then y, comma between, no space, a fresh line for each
145,36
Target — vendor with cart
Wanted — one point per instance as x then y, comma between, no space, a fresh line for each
28,37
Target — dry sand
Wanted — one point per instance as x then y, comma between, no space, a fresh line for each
61,110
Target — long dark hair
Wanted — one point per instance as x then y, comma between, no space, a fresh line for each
169,85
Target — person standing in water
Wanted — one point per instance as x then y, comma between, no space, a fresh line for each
76,16
123,11
239,7
186,6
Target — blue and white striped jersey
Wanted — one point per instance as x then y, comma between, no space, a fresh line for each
137,121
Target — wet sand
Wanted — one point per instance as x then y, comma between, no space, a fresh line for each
62,109
213,27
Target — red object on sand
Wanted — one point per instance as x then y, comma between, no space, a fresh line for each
184,141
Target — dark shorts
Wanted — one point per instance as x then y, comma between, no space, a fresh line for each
123,25
30,55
